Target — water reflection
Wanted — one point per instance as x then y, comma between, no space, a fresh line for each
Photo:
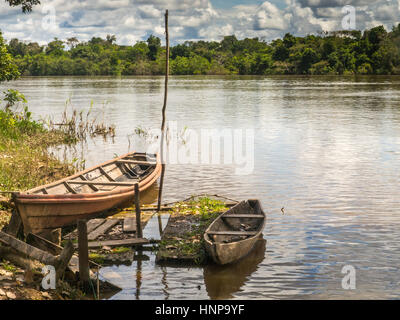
222,282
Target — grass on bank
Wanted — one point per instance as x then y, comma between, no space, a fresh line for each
24,158
190,244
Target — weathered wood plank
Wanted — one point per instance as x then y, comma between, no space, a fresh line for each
92,224
252,216
64,258
117,243
233,233
146,163
129,225
104,173
69,188
90,185
15,224
54,249
43,244
152,208
116,184
30,251
103,228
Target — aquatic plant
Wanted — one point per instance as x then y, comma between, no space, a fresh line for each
80,124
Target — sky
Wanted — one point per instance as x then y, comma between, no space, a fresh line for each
136,20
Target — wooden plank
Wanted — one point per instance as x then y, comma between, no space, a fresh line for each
91,225
129,225
90,185
252,216
30,251
104,173
83,253
43,244
64,258
69,188
145,163
103,228
118,243
15,224
233,233
116,184
152,208
54,249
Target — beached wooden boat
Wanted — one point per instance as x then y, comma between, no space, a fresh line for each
234,233
87,193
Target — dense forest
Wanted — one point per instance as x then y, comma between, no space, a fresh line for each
374,51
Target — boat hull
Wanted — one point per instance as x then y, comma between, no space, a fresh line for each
45,212
226,253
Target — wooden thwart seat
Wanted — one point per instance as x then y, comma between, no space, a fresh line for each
252,216
116,184
69,188
233,233
103,172
146,163
90,185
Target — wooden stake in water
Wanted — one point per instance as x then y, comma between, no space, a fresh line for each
83,254
163,112
139,232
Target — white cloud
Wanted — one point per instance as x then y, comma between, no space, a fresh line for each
133,20
270,17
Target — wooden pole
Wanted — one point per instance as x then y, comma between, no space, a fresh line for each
139,232
83,254
163,112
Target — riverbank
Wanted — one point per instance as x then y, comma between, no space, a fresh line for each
24,163
24,158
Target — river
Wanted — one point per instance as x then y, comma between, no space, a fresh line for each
326,149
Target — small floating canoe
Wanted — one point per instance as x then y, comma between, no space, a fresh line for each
87,193
234,233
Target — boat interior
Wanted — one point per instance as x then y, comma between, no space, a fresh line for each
240,222
121,173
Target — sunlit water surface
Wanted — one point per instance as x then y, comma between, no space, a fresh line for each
327,149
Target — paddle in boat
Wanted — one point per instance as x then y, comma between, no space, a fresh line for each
88,193
234,233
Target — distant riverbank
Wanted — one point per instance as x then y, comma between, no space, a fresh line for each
373,51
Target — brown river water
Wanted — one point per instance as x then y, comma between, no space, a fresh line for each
327,149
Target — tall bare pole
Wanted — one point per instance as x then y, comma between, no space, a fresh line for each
163,112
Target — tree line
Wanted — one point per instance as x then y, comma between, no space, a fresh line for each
373,51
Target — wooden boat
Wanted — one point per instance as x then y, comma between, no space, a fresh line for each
234,233
87,193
